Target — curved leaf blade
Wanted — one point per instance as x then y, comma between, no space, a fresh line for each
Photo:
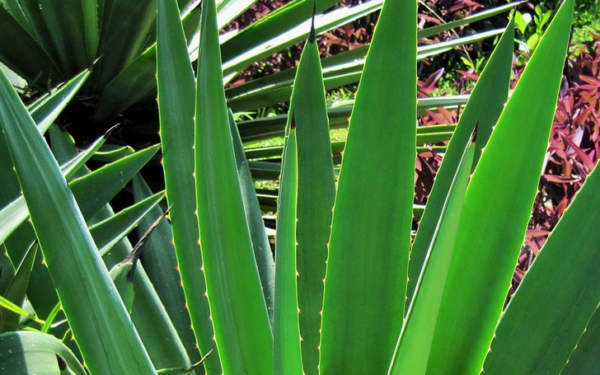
80,278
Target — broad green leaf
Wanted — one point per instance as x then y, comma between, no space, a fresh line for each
149,317
370,236
82,282
25,353
136,81
176,110
425,134
148,314
239,314
96,189
123,273
91,192
15,213
492,228
32,19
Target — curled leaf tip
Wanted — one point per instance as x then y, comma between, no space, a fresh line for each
474,134
95,62
312,37
111,130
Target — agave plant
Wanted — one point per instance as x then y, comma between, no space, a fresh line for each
349,290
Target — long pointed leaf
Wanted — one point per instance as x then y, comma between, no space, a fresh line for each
286,326
237,306
316,194
562,302
260,242
81,280
176,110
490,235
483,108
366,271
160,263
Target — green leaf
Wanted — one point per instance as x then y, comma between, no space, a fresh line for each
562,302
338,70
366,271
80,278
46,109
23,53
256,225
275,23
131,85
15,213
148,314
125,28
415,341
316,194
160,263
296,31
490,235
111,231
487,13
96,189
268,127
238,310
24,353
483,108
175,81
17,289
287,349
14,308
73,29
585,358
110,153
